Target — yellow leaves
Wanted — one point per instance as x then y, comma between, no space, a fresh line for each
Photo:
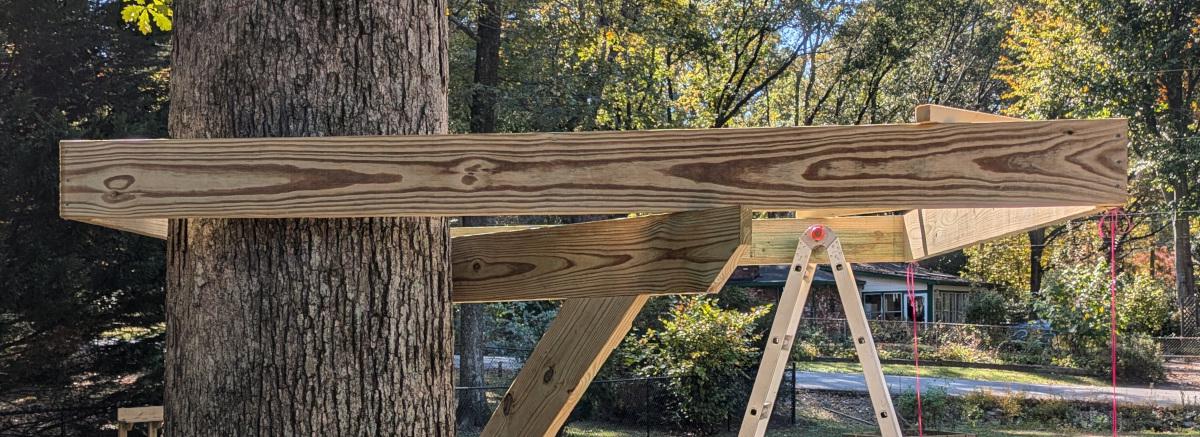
142,12
610,37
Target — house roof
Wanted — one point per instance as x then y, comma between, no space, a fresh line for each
774,275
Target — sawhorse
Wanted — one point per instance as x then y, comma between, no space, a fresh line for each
787,319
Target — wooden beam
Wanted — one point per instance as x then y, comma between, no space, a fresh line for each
917,234
945,114
933,232
562,365
934,165
867,239
842,212
140,414
156,228
679,253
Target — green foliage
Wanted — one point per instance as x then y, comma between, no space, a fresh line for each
80,305
935,406
519,325
707,350
1076,301
987,308
1049,411
142,12
1004,262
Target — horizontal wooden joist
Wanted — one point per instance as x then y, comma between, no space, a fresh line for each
679,253
933,232
925,165
914,235
945,114
867,239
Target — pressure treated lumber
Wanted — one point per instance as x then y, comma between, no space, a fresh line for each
678,253
933,232
868,239
140,414
946,114
563,363
156,228
935,165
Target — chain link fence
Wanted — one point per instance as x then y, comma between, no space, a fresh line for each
966,344
641,404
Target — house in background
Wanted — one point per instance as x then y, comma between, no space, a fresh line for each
940,297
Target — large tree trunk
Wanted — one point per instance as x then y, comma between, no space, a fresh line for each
1037,247
473,411
1185,274
308,326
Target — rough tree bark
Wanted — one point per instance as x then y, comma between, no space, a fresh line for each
308,326
473,411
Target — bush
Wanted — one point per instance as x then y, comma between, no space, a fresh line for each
987,308
1139,358
1050,411
934,406
705,350
1076,301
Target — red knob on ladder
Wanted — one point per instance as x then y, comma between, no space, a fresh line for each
816,232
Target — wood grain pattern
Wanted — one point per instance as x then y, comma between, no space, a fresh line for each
562,365
156,228
868,239
677,253
140,414
933,232
946,114
952,165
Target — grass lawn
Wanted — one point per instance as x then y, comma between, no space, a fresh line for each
957,372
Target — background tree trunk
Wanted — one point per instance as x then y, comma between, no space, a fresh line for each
473,411
1037,247
309,326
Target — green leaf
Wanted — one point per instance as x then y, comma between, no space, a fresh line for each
143,23
130,13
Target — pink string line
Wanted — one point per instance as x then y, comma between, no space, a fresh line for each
1110,219
912,304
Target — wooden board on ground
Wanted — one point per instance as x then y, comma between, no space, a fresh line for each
562,365
677,253
927,165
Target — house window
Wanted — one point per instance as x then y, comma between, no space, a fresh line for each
952,306
892,306
884,306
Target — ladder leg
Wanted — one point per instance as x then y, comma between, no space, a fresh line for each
779,343
864,343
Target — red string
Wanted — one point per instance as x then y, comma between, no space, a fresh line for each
912,303
1110,219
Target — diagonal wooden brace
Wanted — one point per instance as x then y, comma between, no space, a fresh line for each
787,320
562,365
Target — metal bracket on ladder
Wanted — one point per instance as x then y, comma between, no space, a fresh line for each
787,319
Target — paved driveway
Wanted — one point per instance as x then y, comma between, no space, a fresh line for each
896,384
